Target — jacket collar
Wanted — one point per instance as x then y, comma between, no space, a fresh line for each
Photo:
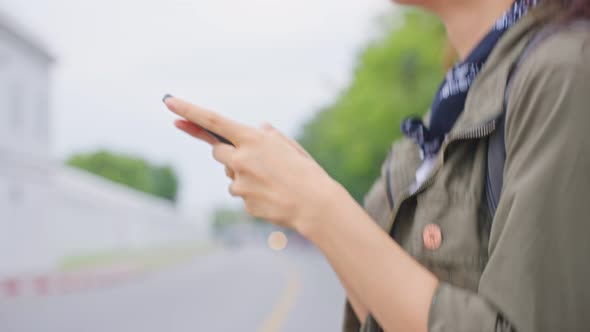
485,101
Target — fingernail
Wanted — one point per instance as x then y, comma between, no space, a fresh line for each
166,97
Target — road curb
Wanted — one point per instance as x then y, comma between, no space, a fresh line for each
59,283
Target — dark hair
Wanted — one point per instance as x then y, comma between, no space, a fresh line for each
574,9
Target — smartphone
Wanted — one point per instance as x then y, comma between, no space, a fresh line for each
219,137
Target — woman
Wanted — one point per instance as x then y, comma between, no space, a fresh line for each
451,266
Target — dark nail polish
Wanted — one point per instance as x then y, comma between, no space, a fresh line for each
166,97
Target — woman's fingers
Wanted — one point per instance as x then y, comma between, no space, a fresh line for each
218,124
270,129
195,131
224,153
230,173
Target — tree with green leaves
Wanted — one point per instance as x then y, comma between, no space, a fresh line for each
396,76
132,172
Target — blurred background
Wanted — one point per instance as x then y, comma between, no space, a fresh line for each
110,219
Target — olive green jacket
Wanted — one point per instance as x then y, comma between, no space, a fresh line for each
528,269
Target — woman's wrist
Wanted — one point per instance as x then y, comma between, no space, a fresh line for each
319,216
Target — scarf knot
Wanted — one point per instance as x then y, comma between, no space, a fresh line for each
449,101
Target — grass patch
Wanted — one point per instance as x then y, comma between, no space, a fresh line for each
150,258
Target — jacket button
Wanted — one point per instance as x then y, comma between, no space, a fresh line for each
432,236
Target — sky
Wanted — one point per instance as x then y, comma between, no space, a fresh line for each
255,61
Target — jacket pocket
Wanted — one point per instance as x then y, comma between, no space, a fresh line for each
450,235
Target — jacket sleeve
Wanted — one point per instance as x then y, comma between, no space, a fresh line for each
537,275
351,322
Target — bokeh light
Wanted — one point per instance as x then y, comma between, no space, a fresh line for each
277,241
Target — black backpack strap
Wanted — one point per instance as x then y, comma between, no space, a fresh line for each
497,141
496,160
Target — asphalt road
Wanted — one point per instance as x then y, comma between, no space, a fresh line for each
250,289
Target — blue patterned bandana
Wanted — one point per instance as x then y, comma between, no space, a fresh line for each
452,94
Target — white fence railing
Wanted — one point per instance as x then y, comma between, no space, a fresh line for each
48,212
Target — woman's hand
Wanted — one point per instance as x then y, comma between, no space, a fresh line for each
280,183
276,177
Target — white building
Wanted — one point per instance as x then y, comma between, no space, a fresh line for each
24,91
48,211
